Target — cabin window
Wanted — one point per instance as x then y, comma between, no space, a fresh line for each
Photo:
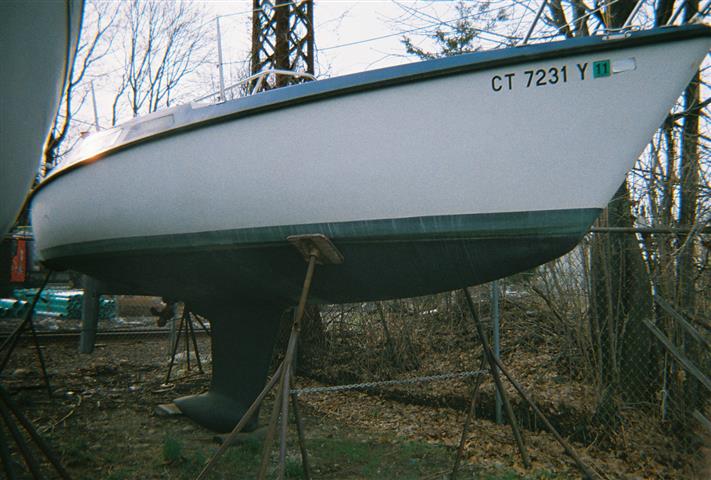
150,126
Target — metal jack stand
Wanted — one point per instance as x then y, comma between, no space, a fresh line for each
316,249
491,359
186,328
7,410
495,366
201,321
467,421
11,342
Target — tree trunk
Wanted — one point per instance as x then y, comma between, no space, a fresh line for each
621,299
688,199
621,294
688,202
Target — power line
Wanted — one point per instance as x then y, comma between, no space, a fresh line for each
83,122
557,31
417,29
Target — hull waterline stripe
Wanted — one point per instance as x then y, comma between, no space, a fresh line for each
549,223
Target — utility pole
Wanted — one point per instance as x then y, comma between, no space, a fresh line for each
282,38
220,64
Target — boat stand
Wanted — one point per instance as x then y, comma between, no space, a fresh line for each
187,329
201,321
496,366
11,341
12,416
316,249
490,358
467,421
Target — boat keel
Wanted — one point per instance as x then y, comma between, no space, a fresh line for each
242,342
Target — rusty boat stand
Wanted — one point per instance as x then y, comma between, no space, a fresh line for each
316,249
187,330
8,410
495,366
12,340
12,416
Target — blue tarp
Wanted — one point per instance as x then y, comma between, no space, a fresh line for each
53,302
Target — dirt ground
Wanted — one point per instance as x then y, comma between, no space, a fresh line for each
101,422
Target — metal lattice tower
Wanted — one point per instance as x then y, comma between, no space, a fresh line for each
282,38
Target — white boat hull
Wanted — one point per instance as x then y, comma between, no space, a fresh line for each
448,146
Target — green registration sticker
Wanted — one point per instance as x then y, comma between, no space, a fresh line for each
601,69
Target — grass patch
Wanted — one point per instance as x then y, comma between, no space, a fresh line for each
349,458
330,458
509,474
122,474
181,462
76,452
172,450
293,468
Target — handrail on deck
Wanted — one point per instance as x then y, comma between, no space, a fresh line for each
260,77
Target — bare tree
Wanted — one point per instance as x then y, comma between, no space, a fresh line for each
94,45
163,43
690,173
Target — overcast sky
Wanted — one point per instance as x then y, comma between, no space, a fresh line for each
351,36
344,30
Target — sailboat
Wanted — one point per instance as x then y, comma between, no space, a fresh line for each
427,177
38,41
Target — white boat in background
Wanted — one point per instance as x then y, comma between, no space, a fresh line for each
38,40
427,177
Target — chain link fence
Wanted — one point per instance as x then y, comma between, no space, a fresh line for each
612,339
